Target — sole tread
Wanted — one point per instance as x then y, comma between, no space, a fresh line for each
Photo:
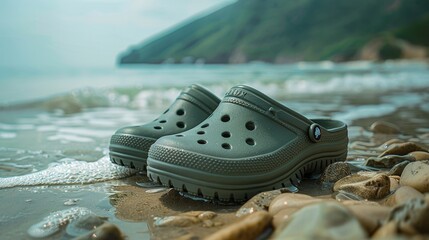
139,165
222,196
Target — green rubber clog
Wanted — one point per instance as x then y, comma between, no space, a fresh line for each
249,144
129,146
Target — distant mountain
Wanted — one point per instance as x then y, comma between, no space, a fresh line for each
282,31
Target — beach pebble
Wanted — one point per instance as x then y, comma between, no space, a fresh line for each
398,169
402,149
259,202
394,183
175,221
402,195
290,200
84,224
347,196
424,136
367,187
356,202
419,155
335,172
53,223
411,216
416,175
386,231
370,216
389,144
327,220
188,236
387,161
283,215
206,215
210,223
106,231
185,219
359,145
384,128
248,227
203,215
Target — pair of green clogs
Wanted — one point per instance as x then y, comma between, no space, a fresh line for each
229,149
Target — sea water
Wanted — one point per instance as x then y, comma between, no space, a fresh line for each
55,124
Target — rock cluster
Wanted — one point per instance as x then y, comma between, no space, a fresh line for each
390,201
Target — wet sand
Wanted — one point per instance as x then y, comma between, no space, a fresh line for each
134,203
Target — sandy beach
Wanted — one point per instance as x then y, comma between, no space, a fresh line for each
49,157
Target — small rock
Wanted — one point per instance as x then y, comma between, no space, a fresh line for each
355,202
419,155
106,231
184,219
402,195
188,236
411,216
290,200
416,175
375,187
249,227
424,136
328,220
394,183
369,216
387,231
176,221
398,169
156,190
208,223
200,214
359,145
388,144
347,196
402,149
335,172
206,215
384,128
283,215
259,202
388,161
84,224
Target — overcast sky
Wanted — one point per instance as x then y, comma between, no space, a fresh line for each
53,33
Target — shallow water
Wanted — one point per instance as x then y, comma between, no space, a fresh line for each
57,138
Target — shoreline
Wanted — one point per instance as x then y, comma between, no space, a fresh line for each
35,139
132,208
161,202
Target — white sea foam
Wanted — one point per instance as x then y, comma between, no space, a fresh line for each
7,135
46,128
66,138
5,126
71,172
357,83
155,98
86,132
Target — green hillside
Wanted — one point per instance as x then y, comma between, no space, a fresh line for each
286,31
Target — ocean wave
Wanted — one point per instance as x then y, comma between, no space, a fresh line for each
278,82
